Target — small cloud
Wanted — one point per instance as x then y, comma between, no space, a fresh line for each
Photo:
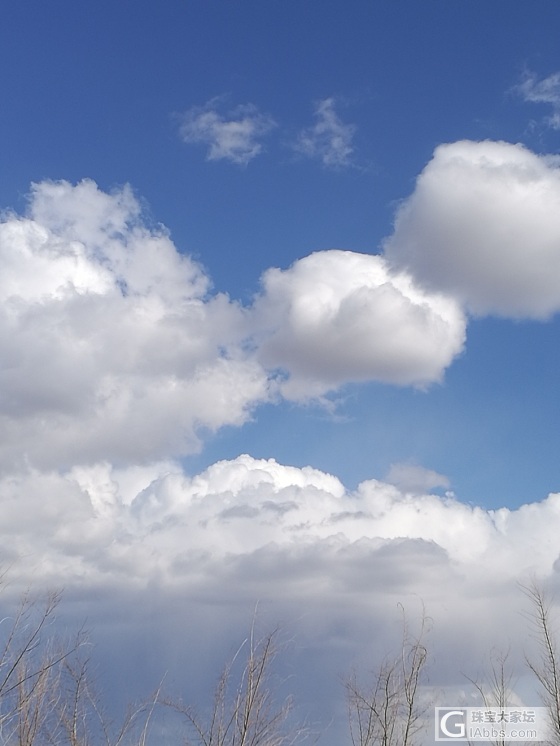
329,140
414,478
545,91
233,136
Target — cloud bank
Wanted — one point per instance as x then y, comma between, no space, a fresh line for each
162,561
158,522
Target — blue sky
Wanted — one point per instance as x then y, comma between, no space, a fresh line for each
155,332
99,93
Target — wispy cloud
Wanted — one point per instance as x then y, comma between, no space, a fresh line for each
330,139
545,91
414,478
234,136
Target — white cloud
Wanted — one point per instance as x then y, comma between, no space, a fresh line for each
483,224
111,346
114,348
545,91
235,136
192,555
339,316
115,354
330,139
160,525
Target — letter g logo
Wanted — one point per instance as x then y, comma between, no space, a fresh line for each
458,726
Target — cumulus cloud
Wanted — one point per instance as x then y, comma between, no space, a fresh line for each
545,91
114,348
329,562
329,139
158,522
234,136
111,346
483,224
339,316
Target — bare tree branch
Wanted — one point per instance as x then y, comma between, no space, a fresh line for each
496,686
547,667
248,715
387,711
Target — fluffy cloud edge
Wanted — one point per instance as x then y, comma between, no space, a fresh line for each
175,565
117,349
156,518
483,226
339,316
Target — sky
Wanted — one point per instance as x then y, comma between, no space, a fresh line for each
279,325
